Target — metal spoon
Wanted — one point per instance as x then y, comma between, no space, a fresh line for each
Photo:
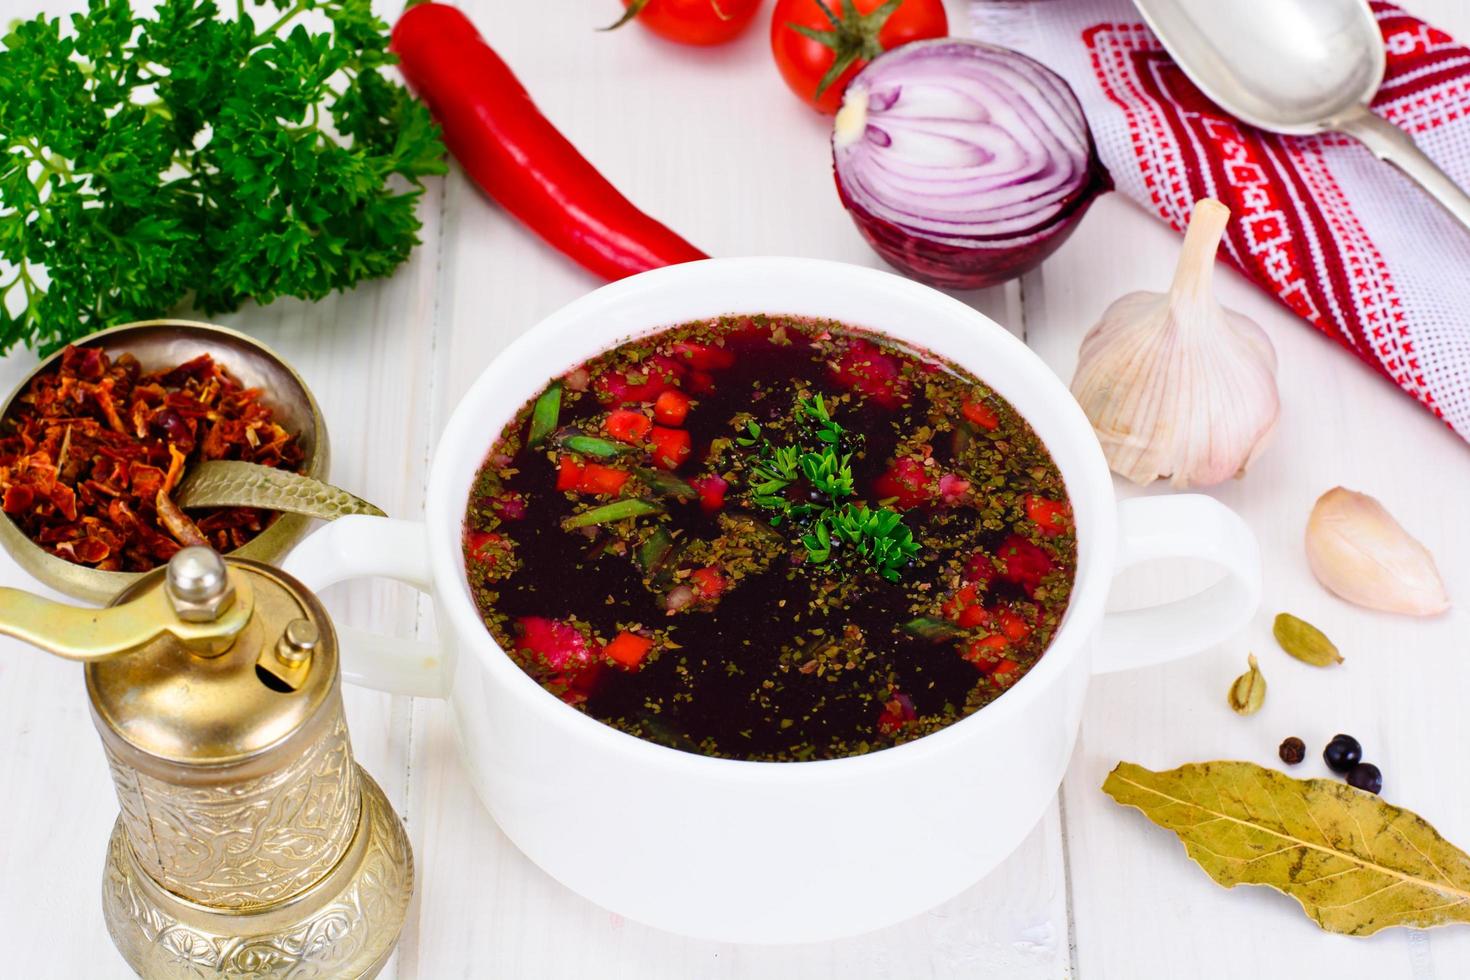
1296,67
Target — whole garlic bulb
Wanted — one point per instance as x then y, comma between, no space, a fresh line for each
1175,385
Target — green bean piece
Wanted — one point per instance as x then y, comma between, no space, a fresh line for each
618,510
932,629
544,415
665,483
593,446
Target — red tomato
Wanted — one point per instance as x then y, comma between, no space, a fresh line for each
692,21
806,63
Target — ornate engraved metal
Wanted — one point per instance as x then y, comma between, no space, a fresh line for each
243,845
250,845
343,927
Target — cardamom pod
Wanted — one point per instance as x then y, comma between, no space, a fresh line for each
1304,641
1248,692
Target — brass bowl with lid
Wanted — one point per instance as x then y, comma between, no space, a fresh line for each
167,343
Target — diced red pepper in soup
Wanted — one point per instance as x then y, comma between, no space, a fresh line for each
480,545
986,652
708,582
589,477
1023,563
704,357
568,473
1006,673
671,407
651,379
670,447
906,483
607,480
552,644
626,425
1051,517
864,368
1013,625
981,414
628,649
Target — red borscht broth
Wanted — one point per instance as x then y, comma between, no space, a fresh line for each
770,538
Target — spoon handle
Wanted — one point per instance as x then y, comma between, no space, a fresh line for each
1392,145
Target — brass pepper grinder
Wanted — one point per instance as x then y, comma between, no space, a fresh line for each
250,842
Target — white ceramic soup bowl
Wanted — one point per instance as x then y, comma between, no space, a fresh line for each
776,852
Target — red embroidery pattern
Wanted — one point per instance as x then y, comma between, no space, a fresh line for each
1295,234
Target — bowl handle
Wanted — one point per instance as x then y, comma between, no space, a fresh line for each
1181,526
374,547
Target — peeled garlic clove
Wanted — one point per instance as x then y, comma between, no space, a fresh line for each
1175,385
1358,551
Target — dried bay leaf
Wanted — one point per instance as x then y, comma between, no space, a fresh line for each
1355,863
234,483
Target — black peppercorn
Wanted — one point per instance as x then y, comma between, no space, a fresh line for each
1293,750
1366,776
1342,753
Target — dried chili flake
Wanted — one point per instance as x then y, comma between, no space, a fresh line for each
91,452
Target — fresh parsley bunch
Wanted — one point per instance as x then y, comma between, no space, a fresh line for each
153,160
819,465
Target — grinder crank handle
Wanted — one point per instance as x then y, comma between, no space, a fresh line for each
85,634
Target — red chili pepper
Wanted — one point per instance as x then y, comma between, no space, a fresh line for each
517,156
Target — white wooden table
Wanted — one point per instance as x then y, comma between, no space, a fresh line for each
711,141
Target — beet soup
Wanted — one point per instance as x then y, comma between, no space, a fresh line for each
772,539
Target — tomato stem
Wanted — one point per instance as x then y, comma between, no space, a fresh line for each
853,37
633,10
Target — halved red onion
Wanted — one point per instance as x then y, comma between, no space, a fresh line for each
964,164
